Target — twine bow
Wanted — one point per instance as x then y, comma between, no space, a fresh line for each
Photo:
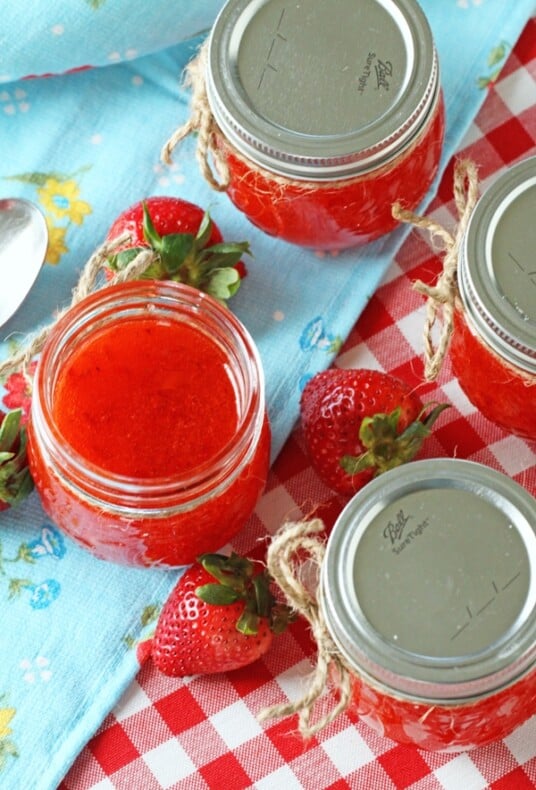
296,540
86,284
441,297
201,121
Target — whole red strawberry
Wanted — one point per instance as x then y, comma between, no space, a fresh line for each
359,423
220,616
187,245
15,479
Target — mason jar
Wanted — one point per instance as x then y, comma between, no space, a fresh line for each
148,438
428,588
326,114
493,344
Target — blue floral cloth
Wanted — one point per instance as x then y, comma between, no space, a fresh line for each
83,146
55,36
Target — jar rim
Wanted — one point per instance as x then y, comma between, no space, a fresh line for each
176,301
382,121
433,584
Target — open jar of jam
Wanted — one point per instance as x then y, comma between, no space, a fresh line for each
325,114
148,438
493,345
428,589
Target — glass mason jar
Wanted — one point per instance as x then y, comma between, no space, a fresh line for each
326,114
493,345
148,438
428,589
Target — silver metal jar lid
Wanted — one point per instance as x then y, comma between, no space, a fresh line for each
318,89
497,266
429,580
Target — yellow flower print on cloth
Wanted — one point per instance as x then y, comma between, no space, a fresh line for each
60,201
56,242
7,747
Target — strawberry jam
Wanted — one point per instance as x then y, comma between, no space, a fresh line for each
149,442
493,346
102,394
503,393
325,115
427,589
341,213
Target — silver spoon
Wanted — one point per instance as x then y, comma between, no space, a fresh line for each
23,246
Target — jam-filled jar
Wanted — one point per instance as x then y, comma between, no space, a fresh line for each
428,588
326,114
148,438
493,345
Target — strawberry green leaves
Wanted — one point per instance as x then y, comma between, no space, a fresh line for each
237,581
15,479
188,257
385,446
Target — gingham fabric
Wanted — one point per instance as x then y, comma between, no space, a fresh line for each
203,732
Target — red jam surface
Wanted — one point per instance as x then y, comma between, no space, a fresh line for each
148,399
125,382
502,393
441,728
341,214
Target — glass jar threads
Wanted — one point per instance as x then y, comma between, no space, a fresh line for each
493,345
148,439
325,114
428,589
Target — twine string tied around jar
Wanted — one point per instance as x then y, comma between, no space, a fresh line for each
201,122
442,296
295,548
87,282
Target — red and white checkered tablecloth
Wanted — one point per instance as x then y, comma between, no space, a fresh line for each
203,732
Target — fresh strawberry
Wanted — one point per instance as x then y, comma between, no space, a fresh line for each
187,246
359,423
220,616
15,479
